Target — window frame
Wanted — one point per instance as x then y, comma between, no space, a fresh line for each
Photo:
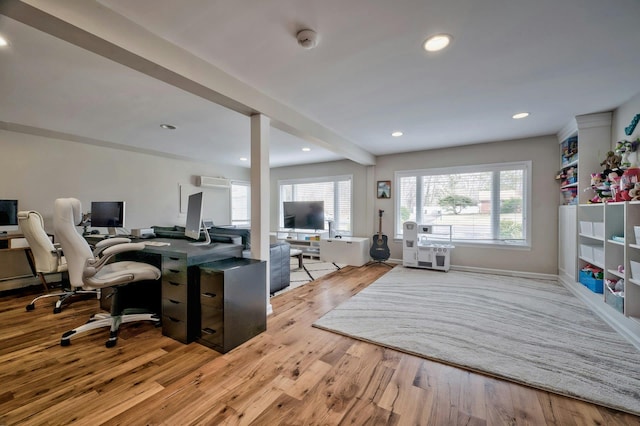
239,222
476,168
323,179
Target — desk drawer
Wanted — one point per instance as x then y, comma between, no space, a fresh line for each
174,263
174,328
174,309
211,290
176,275
174,291
212,331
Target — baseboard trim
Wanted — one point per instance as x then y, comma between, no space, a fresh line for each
520,274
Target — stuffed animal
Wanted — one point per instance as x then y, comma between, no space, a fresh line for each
634,192
612,161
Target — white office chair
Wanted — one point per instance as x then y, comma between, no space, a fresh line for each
47,258
91,270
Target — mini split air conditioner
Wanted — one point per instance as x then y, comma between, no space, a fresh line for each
212,182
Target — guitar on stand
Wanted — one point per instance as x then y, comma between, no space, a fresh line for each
379,251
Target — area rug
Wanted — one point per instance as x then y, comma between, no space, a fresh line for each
312,269
532,332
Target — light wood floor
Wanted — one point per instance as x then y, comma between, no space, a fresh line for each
293,374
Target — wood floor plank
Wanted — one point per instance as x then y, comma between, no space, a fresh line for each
292,374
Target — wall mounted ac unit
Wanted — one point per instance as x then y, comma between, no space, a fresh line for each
212,182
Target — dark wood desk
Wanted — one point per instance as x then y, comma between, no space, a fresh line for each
180,287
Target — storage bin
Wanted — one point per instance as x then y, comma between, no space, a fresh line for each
586,252
635,270
598,229
636,231
613,300
591,283
598,255
586,228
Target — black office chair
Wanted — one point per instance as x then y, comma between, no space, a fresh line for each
92,270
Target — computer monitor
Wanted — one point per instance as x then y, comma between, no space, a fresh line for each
194,220
108,214
8,213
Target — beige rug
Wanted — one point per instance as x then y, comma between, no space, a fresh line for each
528,331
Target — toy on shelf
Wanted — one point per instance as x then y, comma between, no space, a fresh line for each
612,161
628,152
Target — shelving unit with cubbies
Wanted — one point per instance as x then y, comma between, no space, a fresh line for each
632,282
591,235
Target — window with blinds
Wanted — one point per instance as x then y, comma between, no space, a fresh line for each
486,204
334,191
240,203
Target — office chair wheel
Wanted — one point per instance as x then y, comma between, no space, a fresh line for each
65,342
31,307
110,343
57,310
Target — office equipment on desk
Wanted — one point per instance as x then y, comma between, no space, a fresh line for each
143,233
108,214
91,270
47,259
194,220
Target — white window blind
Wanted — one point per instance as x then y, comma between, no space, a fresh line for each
484,204
334,191
240,203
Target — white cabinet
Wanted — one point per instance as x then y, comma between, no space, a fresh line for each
349,250
426,246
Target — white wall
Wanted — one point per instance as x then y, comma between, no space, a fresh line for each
36,170
544,154
542,151
622,118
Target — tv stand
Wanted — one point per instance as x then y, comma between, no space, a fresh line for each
306,241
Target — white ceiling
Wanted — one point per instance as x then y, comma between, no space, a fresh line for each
366,78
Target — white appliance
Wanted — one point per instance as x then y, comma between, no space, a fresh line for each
422,248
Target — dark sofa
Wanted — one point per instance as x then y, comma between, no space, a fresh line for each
279,255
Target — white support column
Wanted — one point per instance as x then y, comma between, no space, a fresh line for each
260,182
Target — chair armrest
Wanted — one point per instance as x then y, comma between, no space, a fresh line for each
105,244
108,253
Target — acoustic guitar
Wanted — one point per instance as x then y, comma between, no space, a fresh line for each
379,249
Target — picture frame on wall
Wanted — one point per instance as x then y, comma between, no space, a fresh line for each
384,189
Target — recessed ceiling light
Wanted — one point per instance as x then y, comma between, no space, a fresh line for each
305,149
397,134
243,158
437,42
520,115
3,42
168,126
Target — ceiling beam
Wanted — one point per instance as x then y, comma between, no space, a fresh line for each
98,29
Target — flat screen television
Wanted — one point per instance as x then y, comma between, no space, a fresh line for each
303,215
194,220
107,214
8,212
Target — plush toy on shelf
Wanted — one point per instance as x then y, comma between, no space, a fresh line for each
634,192
628,152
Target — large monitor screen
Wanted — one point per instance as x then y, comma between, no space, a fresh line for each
8,212
303,215
194,219
107,214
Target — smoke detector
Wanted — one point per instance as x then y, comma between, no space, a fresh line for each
307,39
